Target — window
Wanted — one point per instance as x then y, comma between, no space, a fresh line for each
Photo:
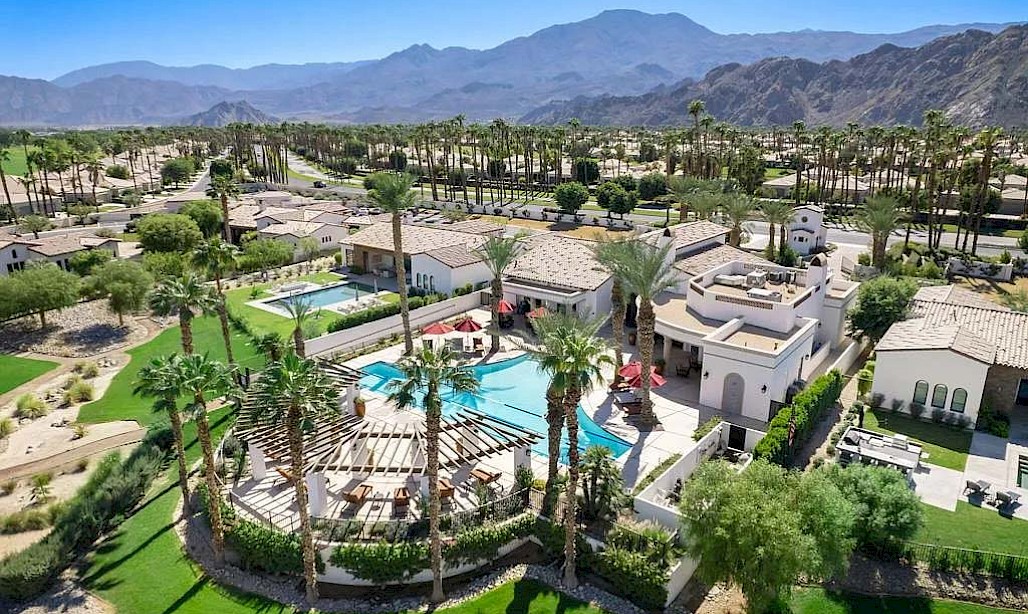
939,396
418,278
959,400
431,283
1022,392
921,392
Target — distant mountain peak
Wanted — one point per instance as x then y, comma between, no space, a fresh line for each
224,113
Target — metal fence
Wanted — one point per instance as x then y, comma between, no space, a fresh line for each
414,529
949,558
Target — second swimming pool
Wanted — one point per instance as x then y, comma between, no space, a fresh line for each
511,390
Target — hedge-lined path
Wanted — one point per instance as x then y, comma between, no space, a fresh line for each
817,445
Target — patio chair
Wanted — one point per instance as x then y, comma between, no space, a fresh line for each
1006,498
683,370
401,500
357,495
483,476
479,347
446,488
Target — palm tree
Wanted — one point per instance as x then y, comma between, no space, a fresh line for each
301,312
498,253
608,253
645,271
776,213
218,257
293,392
203,379
737,209
186,296
392,192
574,356
427,371
879,216
224,188
159,379
5,156
270,344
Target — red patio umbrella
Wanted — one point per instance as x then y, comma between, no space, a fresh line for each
538,312
506,306
631,369
656,381
439,328
467,325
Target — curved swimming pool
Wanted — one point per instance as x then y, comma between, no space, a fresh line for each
510,390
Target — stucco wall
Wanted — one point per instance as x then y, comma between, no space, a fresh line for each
1001,387
897,373
446,279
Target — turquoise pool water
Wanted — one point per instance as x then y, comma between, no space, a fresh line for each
511,390
326,296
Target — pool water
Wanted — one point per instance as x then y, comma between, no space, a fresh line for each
326,296
511,390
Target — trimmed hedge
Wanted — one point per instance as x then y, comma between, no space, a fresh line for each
113,490
633,576
481,543
378,312
806,410
382,562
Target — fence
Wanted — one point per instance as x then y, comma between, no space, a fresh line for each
948,558
403,529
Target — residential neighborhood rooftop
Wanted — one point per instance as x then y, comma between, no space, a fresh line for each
918,334
416,239
1007,330
707,259
556,260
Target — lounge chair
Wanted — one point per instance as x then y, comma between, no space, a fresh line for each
357,495
446,488
401,500
483,476
479,347
1006,498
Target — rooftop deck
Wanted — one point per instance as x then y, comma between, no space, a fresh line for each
673,309
759,338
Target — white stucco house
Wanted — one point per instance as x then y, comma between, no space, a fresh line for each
807,233
749,327
17,252
956,352
294,232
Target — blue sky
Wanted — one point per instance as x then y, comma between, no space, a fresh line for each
46,38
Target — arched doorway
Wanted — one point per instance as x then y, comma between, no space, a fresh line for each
732,393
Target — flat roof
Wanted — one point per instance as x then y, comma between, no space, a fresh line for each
788,291
673,309
749,336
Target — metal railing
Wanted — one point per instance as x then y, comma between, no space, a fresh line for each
951,558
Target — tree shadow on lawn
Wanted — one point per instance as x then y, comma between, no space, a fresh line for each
864,604
527,591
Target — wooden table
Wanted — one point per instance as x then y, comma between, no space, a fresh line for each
357,495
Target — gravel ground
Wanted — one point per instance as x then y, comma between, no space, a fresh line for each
65,597
85,329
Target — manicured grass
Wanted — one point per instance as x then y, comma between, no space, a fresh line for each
818,601
128,236
15,371
17,165
947,446
974,527
775,173
118,403
141,568
523,597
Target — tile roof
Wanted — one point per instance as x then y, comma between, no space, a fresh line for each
479,227
1007,330
456,255
292,227
954,295
243,216
923,334
703,261
689,233
415,239
55,246
555,260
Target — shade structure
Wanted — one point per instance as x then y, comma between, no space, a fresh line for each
656,381
632,369
467,325
538,312
438,328
506,306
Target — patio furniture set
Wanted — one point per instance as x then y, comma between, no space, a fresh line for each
1000,499
401,496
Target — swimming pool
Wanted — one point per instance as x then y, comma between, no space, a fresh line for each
325,296
511,390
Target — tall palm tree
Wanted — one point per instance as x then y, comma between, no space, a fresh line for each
159,379
574,355
301,312
224,188
645,271
737,209
270,344
218,257
498,253
609,253
202,380
293,392
776,213
187,296
879,216
426,372
392,192
5,156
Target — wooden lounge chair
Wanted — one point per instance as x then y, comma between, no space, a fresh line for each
401,498
288,477
446,488
621,386
483,476
479,347
357,495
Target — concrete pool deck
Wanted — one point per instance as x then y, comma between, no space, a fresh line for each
291,290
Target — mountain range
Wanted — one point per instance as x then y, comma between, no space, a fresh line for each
225,113
974,77
616,53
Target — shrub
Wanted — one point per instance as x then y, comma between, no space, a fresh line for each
917,410
6,427
652,185
805,411
896,404
265,549
647,538
483,542
382,562
463,290
117,171
87,369
378,312
992,422
655,473
708,426
632,575
8,487
82,465
80,431
30,406
938,415
78,392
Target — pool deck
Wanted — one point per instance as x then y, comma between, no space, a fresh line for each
676,403
347,306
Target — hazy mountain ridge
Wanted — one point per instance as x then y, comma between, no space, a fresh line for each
225,113
976,77
619,53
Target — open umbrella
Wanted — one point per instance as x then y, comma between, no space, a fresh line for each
656,381
506,306
439,328
538,312
467,325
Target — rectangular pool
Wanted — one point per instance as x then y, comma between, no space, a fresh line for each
322,297
511,390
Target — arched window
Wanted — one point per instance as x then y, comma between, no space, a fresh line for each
431,283
939,396
417,280
959,400
921,392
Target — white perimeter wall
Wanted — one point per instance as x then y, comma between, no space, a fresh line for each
897,372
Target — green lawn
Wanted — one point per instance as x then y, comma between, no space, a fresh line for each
118,403
16,165
523,597
268,322
947,446
15,371
128,236
818,601
775,173
974,527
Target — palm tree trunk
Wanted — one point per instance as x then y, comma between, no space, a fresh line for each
300,486
771,240
298,342
401,283
223,316
226,228
571,494
645,333
618,309
186,327
180,451
494,307
432,419
554,424
203,432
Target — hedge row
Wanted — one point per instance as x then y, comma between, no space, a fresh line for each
378,312
114,489
805,411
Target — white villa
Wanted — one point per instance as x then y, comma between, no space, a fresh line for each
16,252
807,233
